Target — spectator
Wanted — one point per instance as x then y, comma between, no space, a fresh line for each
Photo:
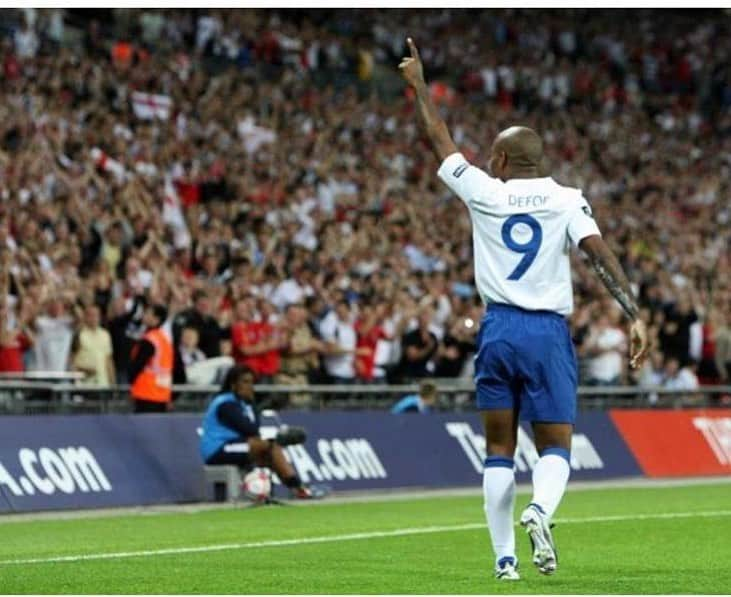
26,42
708,371
151,367
125,328
92,350
419,346
723,349
200,318
338,333
189,351
198,369
423,402
112,246
54,333
300,356
257,343
369,332
14,343
679,378
652,374
293,290
455,347
16,337
606,347
675,332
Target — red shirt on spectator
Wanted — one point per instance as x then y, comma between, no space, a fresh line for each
189,192
249,333
11,355
122,54
11,67
365,364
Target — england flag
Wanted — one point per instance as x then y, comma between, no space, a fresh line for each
148,106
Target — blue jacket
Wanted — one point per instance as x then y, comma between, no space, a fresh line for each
215,432
410,403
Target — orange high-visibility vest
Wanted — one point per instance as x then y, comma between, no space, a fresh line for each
155,381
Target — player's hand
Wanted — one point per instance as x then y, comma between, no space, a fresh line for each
410,67
639,344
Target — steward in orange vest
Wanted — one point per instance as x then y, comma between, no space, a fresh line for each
151,367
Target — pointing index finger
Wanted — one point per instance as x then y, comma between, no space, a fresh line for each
412,48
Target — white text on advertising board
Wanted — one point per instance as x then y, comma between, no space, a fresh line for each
48,471
339,459
583,453
717,432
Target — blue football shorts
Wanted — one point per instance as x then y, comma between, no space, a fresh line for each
526,361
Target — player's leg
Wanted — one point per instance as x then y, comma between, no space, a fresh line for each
498,485
496,398
271,455
549,402
551,472
267,454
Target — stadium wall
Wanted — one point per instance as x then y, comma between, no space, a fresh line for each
92,461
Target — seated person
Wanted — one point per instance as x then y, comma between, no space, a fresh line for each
231,434
423,402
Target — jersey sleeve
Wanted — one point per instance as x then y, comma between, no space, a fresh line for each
465,180
581,222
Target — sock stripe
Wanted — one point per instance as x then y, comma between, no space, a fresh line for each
537,507
556,451
502,461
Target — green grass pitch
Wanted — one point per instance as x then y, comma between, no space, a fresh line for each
634,540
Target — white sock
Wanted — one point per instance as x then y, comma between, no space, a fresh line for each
550,476
498,486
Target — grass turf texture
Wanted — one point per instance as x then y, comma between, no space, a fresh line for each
633,555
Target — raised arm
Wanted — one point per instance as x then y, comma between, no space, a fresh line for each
610,272
435,128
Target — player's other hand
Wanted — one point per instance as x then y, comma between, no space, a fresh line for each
639,344
410,67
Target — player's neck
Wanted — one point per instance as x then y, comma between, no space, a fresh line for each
524,173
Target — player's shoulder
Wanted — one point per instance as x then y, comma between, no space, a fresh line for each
464,176
565,191
568,198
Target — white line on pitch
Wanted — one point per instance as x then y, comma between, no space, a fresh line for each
347,537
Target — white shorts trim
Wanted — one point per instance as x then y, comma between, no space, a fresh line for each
242,448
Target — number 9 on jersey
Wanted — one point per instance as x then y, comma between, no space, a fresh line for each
529,249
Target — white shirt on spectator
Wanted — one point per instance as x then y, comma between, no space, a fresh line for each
343,334
684,380
608,365
53,342
289,291
26,43
208,26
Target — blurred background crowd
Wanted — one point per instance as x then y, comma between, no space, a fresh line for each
261,174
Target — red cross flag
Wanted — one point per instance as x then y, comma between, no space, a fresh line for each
149,106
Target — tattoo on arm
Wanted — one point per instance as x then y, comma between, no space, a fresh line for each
610,272
435,127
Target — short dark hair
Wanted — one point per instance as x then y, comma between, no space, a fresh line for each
160,311
234,374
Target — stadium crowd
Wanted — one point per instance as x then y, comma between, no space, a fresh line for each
262,175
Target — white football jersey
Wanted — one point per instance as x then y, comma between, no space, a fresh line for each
522,232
